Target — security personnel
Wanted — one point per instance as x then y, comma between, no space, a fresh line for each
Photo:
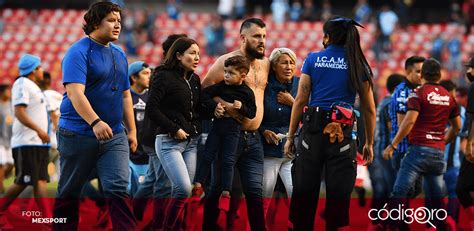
332,78
466,174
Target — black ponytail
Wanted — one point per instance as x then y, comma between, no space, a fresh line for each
343,32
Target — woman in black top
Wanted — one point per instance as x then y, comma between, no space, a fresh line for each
174,105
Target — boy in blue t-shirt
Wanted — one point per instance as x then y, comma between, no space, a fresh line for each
91,135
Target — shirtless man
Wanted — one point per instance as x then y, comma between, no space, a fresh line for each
249,154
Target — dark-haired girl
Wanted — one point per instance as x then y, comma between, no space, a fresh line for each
173,104
332,77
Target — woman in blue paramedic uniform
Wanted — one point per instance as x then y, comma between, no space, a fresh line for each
332,77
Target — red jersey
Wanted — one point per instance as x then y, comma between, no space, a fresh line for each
435,106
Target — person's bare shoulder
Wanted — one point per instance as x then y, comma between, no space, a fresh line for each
265,66
216,72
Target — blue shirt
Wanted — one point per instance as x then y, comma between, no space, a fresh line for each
277,116
382,131
330,81
399,105
438,44
454,47
104,72
362,12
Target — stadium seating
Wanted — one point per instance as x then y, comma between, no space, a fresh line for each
48,33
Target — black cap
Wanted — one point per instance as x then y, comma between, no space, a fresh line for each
470,63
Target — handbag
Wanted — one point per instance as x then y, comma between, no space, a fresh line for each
342,113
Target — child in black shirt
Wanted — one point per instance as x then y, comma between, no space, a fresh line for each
224,136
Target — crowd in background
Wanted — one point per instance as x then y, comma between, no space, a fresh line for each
178,129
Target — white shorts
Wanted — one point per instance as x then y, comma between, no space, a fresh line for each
6,156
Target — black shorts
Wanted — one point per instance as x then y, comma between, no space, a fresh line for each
31,164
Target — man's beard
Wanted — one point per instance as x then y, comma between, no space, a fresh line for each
253,53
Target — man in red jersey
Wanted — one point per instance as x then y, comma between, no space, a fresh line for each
429,107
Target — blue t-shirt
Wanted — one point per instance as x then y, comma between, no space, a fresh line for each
330,81
104,72
454,47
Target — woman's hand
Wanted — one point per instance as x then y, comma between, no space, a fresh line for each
368,154
271,137
181,135
285,98
289,148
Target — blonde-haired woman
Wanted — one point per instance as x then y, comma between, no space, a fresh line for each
279,97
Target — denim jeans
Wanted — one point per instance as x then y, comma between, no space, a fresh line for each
249,164
79,155
451,179
397,159
416,188
136,171
156,185
222,140
382,177
178,159
428,162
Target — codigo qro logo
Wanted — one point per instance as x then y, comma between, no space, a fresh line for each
421,215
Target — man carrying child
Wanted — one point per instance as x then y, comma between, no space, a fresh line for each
224,136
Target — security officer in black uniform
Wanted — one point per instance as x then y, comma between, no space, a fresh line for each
332,77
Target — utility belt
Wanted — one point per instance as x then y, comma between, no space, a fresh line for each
338,122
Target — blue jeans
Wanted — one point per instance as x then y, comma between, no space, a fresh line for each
156,185
382,176
136,171
222,141
249,163
79,155
397,159
156,182
178,159
428,162
451,179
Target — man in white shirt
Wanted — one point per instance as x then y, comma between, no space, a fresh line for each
30,140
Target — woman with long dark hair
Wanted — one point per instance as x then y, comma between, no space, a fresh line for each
332,77
174,105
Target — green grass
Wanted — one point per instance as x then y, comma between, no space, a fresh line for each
52,186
